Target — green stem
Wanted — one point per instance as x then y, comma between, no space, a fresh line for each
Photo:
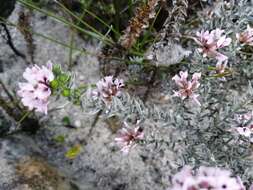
83,51
117,13
103,22
80,20
71,42
12,99
130,8
65,22
24,117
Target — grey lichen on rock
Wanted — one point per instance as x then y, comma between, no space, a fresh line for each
167,54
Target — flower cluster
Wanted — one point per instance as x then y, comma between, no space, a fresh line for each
206,178
107,88
246,125
187,88
246,37
128,137
36,91
210,42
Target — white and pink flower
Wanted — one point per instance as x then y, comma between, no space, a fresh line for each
246,37
246,125
128,137
107,88
244,118
221,67
211,42
36,90
206,178
187,88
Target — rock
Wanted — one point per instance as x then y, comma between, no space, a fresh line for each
78,123
23,168
38,174
167,54
5,124
6,8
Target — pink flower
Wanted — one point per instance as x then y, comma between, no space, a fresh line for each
179,179
221,67
246,125
107,88
210,42
244,118
245,131
246,38
206,178
187,88
128,137
35,92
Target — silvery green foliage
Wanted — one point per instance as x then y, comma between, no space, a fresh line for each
125,107
209,132
204,135
230,15
209,136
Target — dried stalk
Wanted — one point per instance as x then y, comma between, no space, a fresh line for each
138,24
24,26
176,17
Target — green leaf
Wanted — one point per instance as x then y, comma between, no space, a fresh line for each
76,93
210,68
57,70
66,92
64,78
93,85
73,152
221,75
59,139
66,120
54,84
